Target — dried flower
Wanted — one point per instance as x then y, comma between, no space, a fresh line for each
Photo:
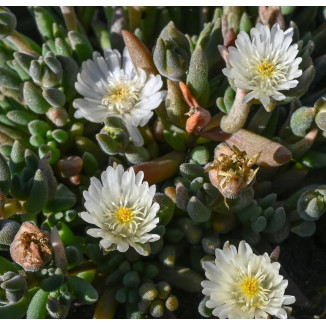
31,247
264,64
123,210
114,88
231,171
243,285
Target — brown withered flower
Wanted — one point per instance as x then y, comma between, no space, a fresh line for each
31,247
231,171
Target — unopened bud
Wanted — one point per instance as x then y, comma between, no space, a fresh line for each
198,119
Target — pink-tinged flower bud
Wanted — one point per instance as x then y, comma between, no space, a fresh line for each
198,119
31,247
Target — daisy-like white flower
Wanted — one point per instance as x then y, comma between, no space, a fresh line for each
264,64
122,208
243,285
112,86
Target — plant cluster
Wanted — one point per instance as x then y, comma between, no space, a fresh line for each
151,156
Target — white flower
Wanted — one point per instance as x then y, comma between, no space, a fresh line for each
244,285
265,65
123,210
113,87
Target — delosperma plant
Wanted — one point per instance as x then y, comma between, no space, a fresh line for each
162,162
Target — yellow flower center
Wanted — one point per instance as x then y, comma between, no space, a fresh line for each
265,69
121,96
124,214
250,287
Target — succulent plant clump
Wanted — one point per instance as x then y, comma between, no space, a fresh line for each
162,162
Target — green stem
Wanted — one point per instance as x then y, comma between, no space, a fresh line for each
303,145
238,114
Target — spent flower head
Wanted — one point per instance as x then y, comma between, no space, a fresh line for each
112,86
232,170
31,247
264,64
243,285
122,208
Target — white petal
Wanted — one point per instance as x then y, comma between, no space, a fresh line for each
135,135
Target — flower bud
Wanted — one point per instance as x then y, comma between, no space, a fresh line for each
31,247
58,116
198,119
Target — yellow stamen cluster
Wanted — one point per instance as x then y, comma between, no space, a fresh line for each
249,287
120,95
265,69
124,214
